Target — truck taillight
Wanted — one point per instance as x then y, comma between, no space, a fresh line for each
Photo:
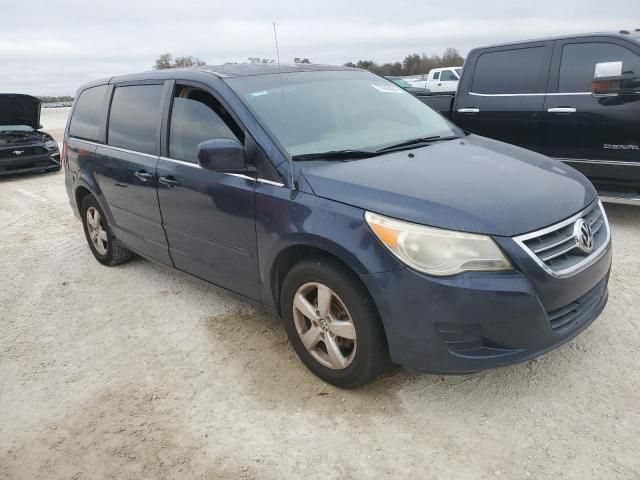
63,155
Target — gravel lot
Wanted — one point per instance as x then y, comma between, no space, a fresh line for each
138,372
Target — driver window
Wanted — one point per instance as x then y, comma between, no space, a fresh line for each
579,63
197,116
448,76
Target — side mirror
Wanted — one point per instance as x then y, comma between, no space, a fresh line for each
609,80
222,155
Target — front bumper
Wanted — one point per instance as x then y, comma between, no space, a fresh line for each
33,163
476,321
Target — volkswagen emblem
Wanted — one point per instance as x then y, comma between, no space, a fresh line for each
18,152
583,235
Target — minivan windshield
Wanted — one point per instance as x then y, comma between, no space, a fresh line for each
330,111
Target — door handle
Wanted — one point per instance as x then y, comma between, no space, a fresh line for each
169,181
562,110
143,176
469,110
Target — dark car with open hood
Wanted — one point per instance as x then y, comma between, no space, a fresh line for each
23,147
378,230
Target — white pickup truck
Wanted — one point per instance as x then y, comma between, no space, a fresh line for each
439,80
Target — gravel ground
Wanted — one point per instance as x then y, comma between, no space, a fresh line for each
138,372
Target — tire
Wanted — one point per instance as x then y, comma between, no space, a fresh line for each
351,311
108,251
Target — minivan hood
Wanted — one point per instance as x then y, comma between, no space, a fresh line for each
19,109
473,184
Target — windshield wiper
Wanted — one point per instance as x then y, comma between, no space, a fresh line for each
343,155
416,141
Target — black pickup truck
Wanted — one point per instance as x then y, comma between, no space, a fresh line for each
575,98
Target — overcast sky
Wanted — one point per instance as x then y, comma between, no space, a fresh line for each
51,47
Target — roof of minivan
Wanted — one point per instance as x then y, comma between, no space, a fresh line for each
632,35
229,70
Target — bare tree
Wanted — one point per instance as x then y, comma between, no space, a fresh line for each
259,60
190,61
301,60
166,61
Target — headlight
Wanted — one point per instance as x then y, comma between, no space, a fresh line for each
51,145
436,251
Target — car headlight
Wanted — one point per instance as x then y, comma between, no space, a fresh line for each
435,251
51,145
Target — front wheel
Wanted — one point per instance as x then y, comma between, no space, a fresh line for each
333,324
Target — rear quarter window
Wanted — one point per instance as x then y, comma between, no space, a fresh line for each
509,71
134,117
85,120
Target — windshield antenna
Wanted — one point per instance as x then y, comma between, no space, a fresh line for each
284,107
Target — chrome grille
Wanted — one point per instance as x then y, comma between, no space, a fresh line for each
556,249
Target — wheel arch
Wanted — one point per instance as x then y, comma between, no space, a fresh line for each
292,254
80,194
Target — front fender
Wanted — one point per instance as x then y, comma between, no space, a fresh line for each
288,218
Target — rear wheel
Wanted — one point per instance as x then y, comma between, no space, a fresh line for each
333,324
104,246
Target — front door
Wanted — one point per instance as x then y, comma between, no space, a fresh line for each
125,169
448,81
598,135
209,217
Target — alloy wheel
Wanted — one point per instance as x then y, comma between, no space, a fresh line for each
324,325
97,233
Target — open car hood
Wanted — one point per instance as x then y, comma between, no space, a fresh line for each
19,109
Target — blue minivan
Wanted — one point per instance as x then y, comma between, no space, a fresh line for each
379,231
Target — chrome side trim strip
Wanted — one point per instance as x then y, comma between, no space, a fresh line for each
88,142
630,200
507,94
239,175
552,94
181,162
559,94
124,150
600,162
578,267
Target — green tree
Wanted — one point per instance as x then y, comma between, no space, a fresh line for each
413,64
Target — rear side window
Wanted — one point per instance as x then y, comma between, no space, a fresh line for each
134,117
197,116
509,71
85,121
579,60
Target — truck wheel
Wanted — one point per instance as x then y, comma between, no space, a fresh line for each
333,324
104,246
